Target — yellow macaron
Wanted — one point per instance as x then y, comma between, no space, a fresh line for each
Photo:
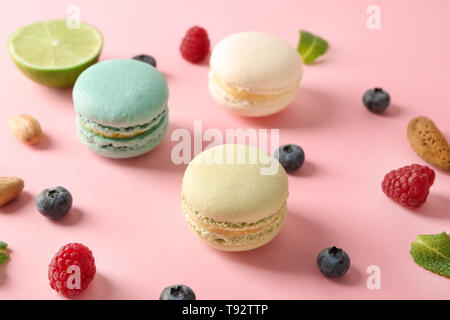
234,197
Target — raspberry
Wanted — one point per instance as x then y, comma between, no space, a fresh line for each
72,269
410,185
195,44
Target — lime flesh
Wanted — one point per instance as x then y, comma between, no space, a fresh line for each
52,54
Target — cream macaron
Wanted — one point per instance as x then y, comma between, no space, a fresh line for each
254,74
234,197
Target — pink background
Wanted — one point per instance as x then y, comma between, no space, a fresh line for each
128,212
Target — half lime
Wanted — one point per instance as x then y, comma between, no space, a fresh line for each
54,52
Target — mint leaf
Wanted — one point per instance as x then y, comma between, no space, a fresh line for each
3,252
3,258
432,252
311,47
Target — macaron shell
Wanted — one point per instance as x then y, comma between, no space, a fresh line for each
123,148
120,93
234,192
256,60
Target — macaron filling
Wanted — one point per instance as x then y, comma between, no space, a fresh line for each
242,93
121,132
233,234
240,240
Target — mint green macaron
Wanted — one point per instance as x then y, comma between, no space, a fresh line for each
121,108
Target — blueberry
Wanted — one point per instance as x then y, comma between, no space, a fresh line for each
146,58
177,292
376,100
333,262
290,156
54,203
